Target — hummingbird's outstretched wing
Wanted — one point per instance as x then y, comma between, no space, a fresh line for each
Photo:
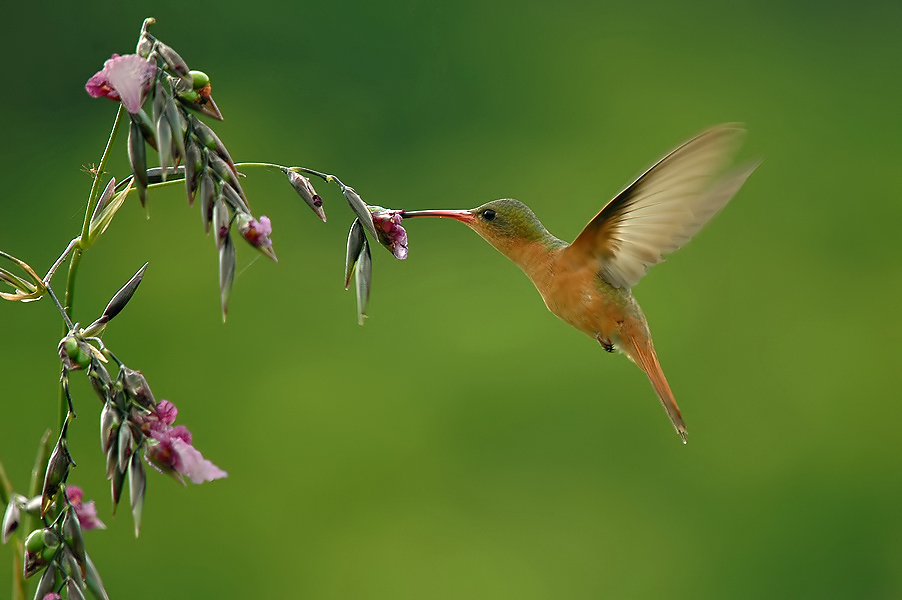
663,208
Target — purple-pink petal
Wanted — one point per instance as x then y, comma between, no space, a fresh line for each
254,231
166,412
392,235
126,78
85,512
193,464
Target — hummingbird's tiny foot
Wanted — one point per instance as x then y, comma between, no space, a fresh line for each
607,344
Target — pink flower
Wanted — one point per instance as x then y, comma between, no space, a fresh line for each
85,512
391,234
256,232
126,78
169,448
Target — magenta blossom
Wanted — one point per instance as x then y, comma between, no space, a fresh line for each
125,78
169,448
85,512
51,596
256,232
392,235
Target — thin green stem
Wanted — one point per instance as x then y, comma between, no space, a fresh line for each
96,188
6,486
93,198
324,176
59,307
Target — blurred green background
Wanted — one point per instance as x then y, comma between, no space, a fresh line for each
464,443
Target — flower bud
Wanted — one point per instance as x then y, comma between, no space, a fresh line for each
135,386
360,209
227,262
137,158
123,295
256,232
116,482
72,534
92,578
40,547
305,190
109,421
12,517
391,234
364,278
356,240
137,485
125,446
47,583
57,470
74,591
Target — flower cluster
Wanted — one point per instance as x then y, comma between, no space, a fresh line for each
187,147
169,448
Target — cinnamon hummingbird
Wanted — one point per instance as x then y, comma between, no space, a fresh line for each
588,283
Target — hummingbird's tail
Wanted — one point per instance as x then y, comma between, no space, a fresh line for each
642,352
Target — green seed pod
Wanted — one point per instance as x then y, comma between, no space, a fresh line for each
199,79
70,345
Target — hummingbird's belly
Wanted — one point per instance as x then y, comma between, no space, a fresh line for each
587,302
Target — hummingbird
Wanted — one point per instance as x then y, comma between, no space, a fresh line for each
588,283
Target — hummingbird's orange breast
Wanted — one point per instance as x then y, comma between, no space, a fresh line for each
576,293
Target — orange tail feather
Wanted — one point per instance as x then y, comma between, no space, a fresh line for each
643,354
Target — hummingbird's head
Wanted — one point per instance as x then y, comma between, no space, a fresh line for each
506,224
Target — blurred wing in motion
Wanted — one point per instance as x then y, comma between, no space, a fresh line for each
663,208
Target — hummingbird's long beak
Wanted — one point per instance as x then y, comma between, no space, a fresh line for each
464,216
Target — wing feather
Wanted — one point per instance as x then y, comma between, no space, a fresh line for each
664,207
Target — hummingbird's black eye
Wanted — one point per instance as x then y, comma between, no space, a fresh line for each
488,214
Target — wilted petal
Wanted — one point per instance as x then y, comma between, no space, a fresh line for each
126,78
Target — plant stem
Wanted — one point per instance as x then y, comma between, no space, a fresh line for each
93,198
98,175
